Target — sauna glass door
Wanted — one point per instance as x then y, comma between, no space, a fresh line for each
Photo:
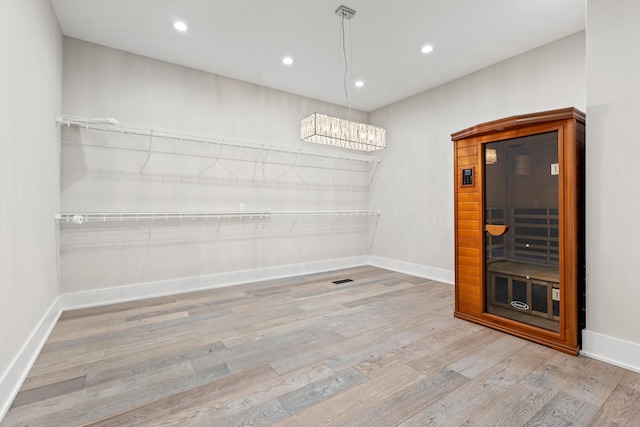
521,230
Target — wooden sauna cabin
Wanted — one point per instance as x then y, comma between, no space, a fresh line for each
519,226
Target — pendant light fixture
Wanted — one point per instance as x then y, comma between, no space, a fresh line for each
339,132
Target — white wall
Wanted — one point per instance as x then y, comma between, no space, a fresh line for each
30,88
100,81
613,89
104,82
415,188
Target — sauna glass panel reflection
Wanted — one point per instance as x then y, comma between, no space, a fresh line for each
521,192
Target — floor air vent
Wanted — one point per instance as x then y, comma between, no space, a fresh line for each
339,282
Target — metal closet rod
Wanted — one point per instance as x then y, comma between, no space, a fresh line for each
111,124
81,217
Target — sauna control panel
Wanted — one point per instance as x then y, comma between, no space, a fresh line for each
467,177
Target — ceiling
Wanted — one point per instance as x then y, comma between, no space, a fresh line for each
247,39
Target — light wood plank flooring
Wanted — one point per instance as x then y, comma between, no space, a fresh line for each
383,349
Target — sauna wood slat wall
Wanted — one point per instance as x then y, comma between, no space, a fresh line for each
468,237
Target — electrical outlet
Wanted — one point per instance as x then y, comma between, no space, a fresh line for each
243,207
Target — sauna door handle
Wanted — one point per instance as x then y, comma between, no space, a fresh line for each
496,229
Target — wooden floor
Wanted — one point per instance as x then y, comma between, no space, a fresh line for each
382,350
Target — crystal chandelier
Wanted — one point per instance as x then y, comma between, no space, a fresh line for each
328,130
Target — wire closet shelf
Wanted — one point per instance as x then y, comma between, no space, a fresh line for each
112,125
92,217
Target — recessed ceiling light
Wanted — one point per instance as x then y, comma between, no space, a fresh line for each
287,60
180,26
359,83
427,48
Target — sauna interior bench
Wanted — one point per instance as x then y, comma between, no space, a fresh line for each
545,273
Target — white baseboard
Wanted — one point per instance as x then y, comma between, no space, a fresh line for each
17,371
612,350
91,298
431,273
